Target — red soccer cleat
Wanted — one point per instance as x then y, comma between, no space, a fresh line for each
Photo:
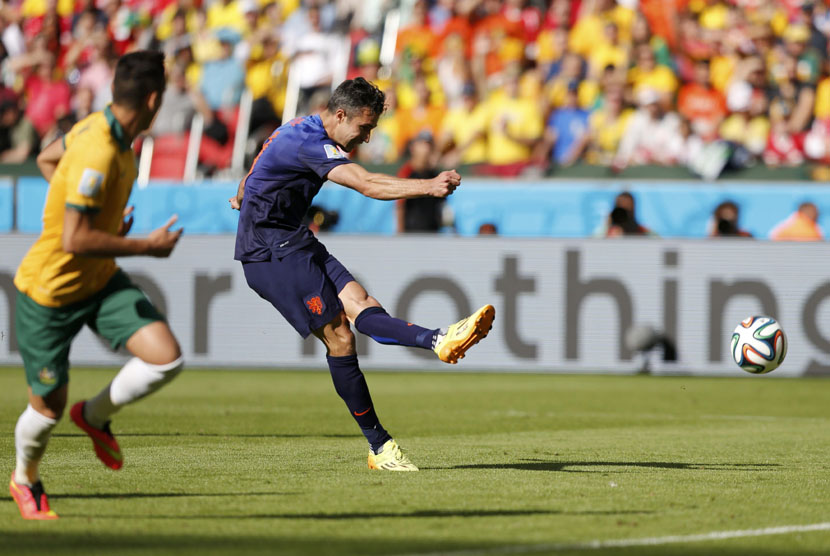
106,446
31,500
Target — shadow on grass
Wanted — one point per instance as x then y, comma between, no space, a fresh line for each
543,465
117,495
418,514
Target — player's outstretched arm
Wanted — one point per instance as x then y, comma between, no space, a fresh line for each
81,238
49,157
386,187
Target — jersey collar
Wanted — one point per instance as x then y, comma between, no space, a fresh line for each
116,129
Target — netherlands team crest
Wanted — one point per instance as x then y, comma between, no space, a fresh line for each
315,304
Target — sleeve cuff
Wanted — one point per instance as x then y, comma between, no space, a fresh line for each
83,208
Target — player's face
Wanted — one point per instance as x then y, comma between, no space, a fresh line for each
353,131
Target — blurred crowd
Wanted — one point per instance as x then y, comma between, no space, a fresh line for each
512,87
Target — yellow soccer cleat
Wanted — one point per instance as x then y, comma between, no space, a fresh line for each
464,334
390,458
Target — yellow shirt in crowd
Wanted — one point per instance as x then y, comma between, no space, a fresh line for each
95,175
520,118
463,126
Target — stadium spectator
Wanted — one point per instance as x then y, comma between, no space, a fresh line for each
179,105
802,225
223,79
488,229
227,14
648,75
607,52
266,77
453,69
178,36
314,52
570,70
567,132
177,19
702,104
47,96
462,138
514,129
550,48
422,214
748,123
724,221
649,129
591,21
622,220
607,126
497,41
18,138
90,62
426,115
642,34
416,37
82,103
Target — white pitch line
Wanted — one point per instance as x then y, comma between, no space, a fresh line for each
647,541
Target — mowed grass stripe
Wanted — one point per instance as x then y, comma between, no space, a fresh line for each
238,462
626,543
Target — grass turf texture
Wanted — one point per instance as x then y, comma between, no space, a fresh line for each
270,463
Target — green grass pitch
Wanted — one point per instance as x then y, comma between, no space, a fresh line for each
237,462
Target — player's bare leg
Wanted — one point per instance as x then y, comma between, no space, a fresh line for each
450,345
351,386
157,360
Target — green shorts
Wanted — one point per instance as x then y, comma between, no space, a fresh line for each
44,334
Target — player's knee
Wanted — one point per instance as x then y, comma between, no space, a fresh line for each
167,371
168,353
51,405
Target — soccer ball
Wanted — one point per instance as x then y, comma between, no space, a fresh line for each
759,345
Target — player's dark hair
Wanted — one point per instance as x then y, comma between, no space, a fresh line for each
138,74
353,95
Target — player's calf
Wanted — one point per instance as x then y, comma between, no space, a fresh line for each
136,380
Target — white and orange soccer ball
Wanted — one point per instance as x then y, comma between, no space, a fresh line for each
759,345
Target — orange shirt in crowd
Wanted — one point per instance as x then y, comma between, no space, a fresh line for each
419,39
798,227
704,107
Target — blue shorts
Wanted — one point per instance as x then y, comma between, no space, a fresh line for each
302,285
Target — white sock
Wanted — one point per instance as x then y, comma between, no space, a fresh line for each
135,380
31,435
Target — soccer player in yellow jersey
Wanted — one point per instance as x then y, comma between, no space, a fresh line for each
69,278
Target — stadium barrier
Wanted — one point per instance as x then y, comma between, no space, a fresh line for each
544,208
6,205
562,305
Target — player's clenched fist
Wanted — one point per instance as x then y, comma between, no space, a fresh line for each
445,183
161,241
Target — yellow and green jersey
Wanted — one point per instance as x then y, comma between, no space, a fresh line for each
95,175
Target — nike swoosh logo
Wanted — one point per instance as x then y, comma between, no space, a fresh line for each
363,413
113,454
